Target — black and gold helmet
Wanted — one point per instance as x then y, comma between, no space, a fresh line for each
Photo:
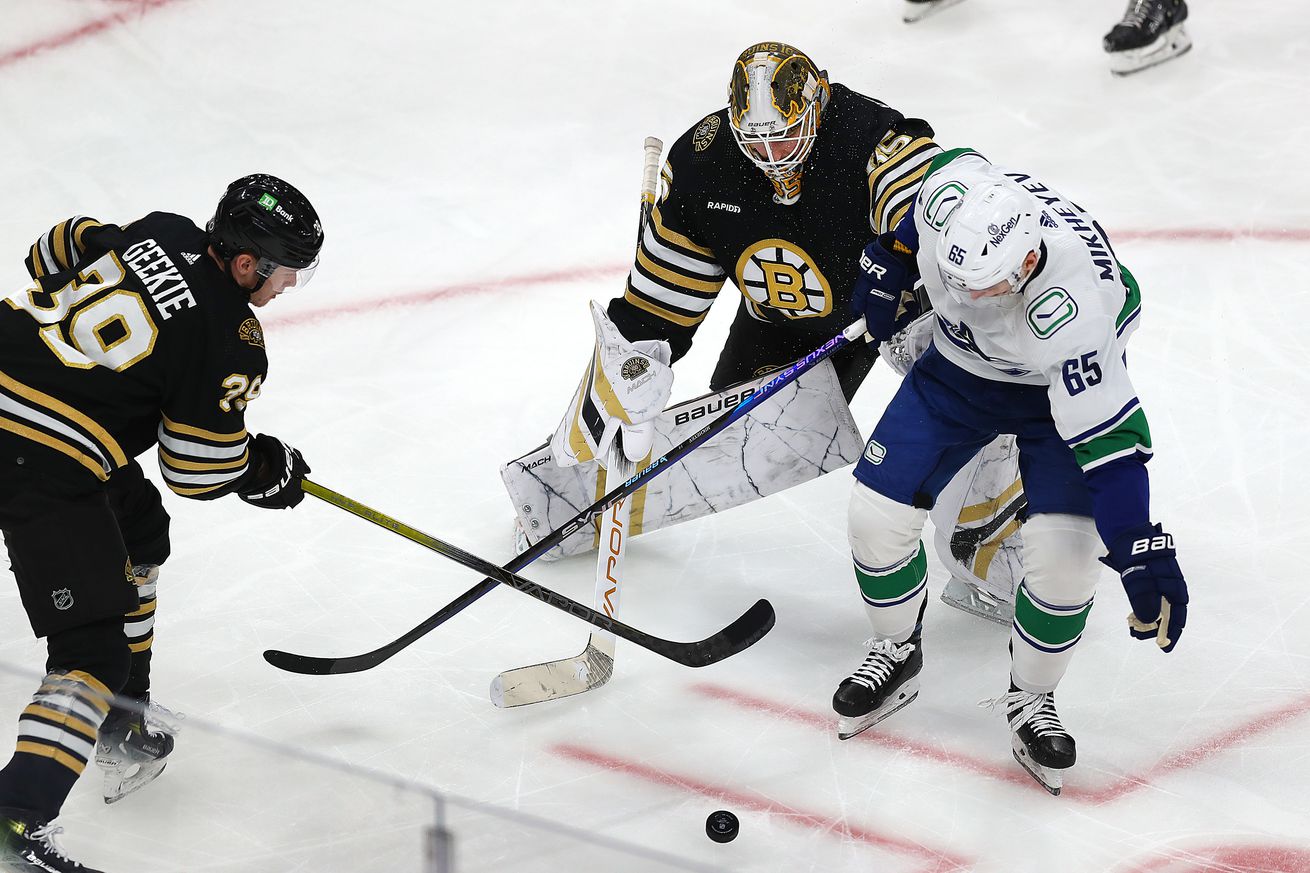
775,101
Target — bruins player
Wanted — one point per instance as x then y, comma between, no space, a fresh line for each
780,192
128,337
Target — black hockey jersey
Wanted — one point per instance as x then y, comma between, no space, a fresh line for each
795,265
130,336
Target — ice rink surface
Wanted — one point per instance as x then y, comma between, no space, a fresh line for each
476,169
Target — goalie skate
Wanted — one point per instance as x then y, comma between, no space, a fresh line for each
970,598
133,747
887,682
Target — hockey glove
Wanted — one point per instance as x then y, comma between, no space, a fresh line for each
278,471
887,271
1145,560
625,387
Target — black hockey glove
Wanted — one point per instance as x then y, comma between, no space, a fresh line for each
887,270
278,471
1147,565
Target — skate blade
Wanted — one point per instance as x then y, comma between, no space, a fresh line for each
976,606
122,781
919,11
850,726
1051,780
1169,46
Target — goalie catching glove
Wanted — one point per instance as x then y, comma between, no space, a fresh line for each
625,387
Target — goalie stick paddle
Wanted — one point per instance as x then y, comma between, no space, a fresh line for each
741,634
594,665
763,611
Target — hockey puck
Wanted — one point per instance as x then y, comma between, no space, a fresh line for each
722,826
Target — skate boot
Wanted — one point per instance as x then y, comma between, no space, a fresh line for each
917,10
27,845
133,746
886,682
972,599
1151,33
1041,744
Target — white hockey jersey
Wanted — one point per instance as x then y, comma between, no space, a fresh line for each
1068,327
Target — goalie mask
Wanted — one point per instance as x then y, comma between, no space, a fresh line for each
775,100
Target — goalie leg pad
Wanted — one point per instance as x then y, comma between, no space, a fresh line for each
891,566
1052,604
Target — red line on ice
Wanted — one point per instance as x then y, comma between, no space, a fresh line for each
68,37
617,270
1206,748
939,860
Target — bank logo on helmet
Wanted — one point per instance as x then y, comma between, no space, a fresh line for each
268,201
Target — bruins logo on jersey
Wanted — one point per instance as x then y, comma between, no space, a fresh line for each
782,282
705,133
251,332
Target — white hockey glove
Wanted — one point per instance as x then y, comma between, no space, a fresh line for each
626,386
905,347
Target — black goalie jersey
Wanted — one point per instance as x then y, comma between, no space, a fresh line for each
794,265
130,336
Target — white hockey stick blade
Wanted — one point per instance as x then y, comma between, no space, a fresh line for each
594,666
555,679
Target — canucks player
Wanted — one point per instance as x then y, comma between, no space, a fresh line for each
1032,313
126,338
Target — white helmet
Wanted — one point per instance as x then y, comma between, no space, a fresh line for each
987,238
775,99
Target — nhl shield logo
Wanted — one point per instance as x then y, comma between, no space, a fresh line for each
633,368
63,598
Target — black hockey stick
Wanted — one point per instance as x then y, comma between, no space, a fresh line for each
368,660
741,634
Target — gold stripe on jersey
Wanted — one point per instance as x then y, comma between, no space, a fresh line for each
178,429
681,281
893,173
59,426
674,238
668,314
80,229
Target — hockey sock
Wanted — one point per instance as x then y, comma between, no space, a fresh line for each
894,595
1043,639
139,627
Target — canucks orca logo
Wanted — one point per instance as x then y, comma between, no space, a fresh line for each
782,282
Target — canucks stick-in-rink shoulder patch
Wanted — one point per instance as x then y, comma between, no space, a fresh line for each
1052,310
251,332
705,132
874,452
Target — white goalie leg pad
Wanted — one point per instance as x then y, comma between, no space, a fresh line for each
976,520
1052,604
805,430
890,564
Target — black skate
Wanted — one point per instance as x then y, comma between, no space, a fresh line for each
917,10
1151,33
886,682
1041,744
133,747
27,845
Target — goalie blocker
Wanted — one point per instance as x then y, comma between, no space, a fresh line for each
754,459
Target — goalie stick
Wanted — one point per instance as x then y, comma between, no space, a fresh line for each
594,665
368,660
741,634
